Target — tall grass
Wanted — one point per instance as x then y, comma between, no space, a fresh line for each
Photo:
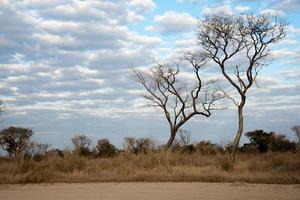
281,168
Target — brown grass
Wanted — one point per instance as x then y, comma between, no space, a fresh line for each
280,168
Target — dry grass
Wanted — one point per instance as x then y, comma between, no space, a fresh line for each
283,168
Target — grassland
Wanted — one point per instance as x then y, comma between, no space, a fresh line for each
271,168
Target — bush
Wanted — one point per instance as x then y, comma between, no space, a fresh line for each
188,149
183,144
138,145
105,148
207,148
82,145
263,142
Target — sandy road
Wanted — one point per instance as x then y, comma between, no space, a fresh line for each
145,191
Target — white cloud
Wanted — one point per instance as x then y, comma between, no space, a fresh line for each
144,39
287,5
292,30
242,8
56,26
69,59
192,1
225,9
272,12
186,43
142,5
42,4
15,79
86,71
173,22
283,53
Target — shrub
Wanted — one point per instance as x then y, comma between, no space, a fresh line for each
264,142
105,148
188,149
138,145
207,148
183,144
82,145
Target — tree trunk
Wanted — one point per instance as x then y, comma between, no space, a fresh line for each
238,133
18,159
171,139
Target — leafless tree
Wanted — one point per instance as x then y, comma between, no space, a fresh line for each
1,107
82,144
15,141
179,99
296,129
139,145
184,137
37,150
240,48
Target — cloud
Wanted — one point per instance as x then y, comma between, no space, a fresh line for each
272,12
192,1
224,9
42,4
142,6
186,43
173,22
242,8
67,50
287,5
64,67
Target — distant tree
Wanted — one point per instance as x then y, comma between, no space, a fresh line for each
15,141
1,107
184,142
82,144
239,46
264,142
37,150
138,145
179,98
105,148
184,137
296,129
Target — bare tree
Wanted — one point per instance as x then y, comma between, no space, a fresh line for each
179,99
296,129
82,144
37,150
139,145
184,137
240,48
15,141
1,107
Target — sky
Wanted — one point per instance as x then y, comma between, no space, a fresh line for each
64,68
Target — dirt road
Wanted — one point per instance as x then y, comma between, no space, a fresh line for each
145,191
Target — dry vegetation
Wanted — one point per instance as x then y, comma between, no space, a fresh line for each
270,167
268,158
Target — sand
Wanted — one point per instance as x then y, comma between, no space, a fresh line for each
145,191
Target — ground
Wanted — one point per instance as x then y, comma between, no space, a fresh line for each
145,191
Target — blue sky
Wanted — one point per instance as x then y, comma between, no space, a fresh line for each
64,67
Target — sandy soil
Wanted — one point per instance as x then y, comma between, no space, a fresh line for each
133,191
